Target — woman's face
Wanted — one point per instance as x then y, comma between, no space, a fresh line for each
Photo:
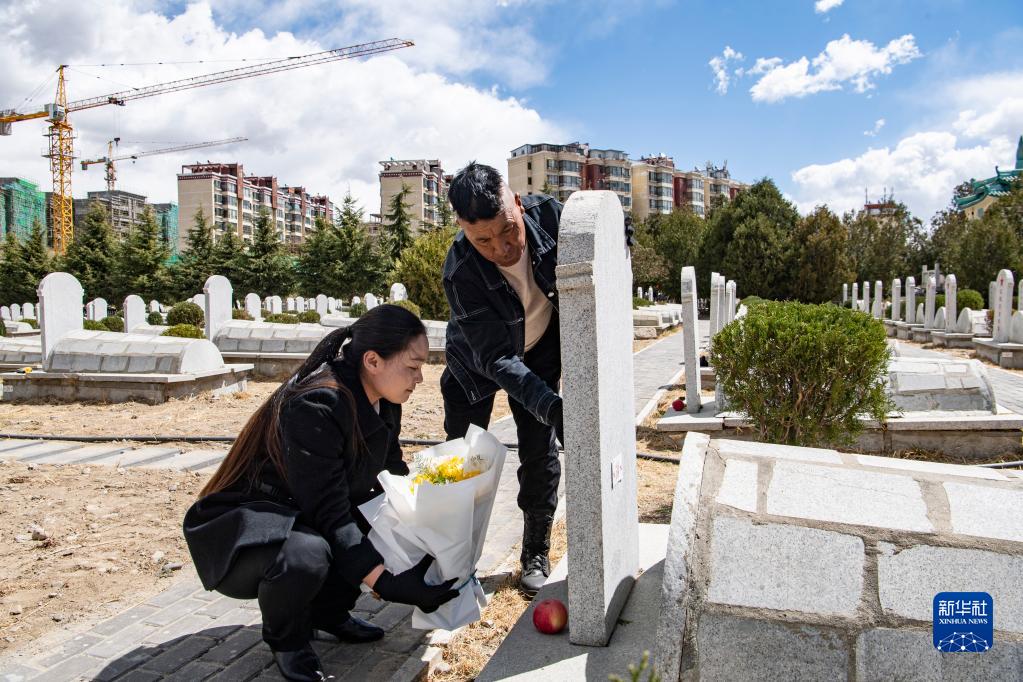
394,379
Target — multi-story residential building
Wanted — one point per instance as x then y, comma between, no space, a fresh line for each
124,209
560,169
653,186
22,205
232,200
427,188
699,188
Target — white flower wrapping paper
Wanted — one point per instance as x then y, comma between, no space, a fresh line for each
449,522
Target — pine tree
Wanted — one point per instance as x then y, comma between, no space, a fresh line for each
317,260
266,267
419,269
197,262
819,257
446,214
91,256
141,259
398,224
228,258
37,256
16,283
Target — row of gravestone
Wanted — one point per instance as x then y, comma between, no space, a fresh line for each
16,312
926,315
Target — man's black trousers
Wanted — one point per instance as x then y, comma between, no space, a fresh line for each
539,468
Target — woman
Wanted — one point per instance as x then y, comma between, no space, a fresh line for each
278,521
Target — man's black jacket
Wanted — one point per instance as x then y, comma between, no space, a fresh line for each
486,333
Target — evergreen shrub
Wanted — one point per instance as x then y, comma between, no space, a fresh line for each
154,318
969,298
357,310
30,321
409,306
186,312
185,331
309,316
94,326
282,318
640,302
804,374
113,323
240,314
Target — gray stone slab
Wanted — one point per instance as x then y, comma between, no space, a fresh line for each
986,511
774,451
936,468
191,460
9,447
731,648
739,485
82,454
904,655
137,456
46,447
787,560
908,580
847,496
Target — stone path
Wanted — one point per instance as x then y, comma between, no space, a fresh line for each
1008,385
186,633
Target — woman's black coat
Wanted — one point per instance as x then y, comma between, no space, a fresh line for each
326,481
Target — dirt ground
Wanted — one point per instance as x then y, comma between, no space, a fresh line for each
107,539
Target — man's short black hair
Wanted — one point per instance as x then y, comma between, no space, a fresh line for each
476,192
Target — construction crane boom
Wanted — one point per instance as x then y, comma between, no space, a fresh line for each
109,159
61,133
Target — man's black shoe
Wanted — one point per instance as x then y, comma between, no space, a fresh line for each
354,630
536,545
535,570
300,666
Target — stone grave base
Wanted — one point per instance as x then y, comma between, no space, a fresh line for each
788,563
921,335
905,331
891,327
1005,355
152,389
526,654
952,339
978,434
16,353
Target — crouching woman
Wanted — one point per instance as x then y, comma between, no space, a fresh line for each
278,521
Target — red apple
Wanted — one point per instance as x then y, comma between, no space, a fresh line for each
550,616
678,404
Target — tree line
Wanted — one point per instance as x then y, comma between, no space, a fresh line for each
760,240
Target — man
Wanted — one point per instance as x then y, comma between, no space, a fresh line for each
504,333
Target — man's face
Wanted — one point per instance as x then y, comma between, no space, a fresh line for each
501,239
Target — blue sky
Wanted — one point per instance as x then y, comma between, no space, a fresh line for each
911,95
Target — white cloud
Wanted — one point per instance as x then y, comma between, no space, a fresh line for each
878,124
980,132
322,127
843,62
823,6
719,65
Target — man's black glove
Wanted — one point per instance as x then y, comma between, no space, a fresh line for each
409,587
629,230
558,421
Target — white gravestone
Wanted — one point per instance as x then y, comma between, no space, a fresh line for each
371,301
878,300
99,308
639,292
398,292
253,306
866,297
951,291
896,300
60,309
154,306
1003,305
930,294
356,300
856,296
289,304
199,300
910,301
217,291
134,312
299,304
845,293
1019,298
28,311
715,303
331,305
650,294
599,413
992,295
276,308
729,301
5,313
322,306
16,312
690,339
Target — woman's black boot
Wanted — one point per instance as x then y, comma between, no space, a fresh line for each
302,665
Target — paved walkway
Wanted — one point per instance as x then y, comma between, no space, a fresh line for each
1008,385
186,633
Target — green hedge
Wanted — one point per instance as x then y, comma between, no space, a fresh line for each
186,312
357,310
154,318
113,323
30,321
804,374
94,326
639,302
240,314
282,318
185,331
309,316
969,298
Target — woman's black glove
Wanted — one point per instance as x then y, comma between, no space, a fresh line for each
409,587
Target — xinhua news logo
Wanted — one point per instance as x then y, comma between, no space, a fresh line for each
964,622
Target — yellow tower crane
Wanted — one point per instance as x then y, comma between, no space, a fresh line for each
61,133
109,159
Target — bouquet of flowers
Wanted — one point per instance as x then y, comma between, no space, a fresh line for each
442,508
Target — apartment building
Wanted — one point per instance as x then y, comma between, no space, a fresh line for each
560,169
427,185
653,186
232,200
124,209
